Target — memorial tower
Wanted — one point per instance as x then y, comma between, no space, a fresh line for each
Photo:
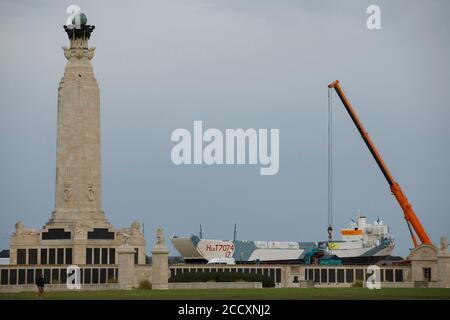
77,231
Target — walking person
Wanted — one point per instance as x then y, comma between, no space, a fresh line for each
40,284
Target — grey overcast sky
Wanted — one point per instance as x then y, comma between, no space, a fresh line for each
161,65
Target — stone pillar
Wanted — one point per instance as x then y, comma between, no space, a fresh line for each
443,258
13,255
78,253
285,280
160,263
79,244
126,266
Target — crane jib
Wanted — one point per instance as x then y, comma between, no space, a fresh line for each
364,135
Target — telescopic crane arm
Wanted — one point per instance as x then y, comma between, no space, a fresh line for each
410,216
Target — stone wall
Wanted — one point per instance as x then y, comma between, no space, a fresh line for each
143,272
127,275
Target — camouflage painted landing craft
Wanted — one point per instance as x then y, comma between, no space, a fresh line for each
361,243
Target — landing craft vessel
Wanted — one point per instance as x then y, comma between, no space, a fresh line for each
361,242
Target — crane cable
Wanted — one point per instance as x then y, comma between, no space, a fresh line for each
330,164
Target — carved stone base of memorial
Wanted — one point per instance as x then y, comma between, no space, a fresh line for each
430,265
160,264
424,267
126,267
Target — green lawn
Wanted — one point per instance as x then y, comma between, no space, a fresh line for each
287,293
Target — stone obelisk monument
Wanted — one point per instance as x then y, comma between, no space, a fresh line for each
78,173
78,231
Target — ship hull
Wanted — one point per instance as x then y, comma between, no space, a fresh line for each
196,250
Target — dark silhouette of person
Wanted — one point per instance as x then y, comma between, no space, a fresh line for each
40,284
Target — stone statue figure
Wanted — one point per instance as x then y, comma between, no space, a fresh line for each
21,231
126,238
444,243
19,228
135,228
159,237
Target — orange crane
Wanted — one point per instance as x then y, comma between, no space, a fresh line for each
411,219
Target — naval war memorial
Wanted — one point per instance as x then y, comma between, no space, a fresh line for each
79,233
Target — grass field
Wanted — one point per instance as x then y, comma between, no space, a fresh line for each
237,294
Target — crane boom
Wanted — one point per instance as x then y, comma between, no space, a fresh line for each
410,216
